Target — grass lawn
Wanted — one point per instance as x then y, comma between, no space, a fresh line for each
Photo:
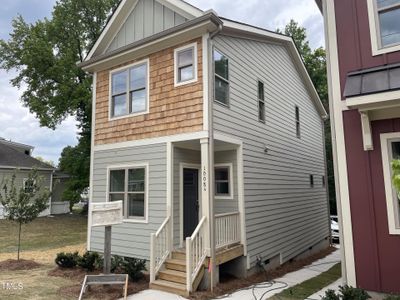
44,233
311,286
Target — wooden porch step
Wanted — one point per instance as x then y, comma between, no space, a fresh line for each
179,255
176,264
172,275
170,287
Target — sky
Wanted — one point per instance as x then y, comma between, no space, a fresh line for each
18,124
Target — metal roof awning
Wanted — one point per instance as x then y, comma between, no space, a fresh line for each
373,80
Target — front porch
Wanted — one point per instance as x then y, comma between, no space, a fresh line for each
190,240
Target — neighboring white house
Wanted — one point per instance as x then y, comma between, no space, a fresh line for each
212,134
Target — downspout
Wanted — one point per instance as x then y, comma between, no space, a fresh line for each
211,217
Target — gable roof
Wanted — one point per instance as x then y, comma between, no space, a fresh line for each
196,17
11,158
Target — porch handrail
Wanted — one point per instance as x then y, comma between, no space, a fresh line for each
159,248
227,229
195,253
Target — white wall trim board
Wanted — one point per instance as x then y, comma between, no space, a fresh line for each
205,63
240,179
378,99
170,187
366,131
151,141
339,149
94,94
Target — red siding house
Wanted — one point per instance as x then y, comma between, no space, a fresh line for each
363,47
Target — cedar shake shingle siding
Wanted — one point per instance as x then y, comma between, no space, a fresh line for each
173,110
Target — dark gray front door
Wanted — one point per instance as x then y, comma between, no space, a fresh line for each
190,201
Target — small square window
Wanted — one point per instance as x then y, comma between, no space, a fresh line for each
223,181
186,64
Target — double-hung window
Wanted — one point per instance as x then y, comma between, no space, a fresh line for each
129,91
390,144
384,18
261,102
221,83
223,181
129,186
185,64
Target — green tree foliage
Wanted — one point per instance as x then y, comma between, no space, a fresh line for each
396,174
315,62
23,204
45,56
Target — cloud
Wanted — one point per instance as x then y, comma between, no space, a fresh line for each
271,14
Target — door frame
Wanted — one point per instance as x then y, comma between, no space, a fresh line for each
182,166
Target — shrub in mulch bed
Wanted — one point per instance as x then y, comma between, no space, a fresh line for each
17,265
106,292
231,284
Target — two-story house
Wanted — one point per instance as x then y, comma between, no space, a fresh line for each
211,133
363,45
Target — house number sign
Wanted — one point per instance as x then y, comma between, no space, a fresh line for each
204,179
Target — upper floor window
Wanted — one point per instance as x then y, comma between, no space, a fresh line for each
297,116
129,91
129,186
384,18
221,68
185,60
261,102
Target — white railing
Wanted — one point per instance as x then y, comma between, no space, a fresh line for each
195,253
227,229
160,248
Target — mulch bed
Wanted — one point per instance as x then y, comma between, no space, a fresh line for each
105,292
17,265
230,284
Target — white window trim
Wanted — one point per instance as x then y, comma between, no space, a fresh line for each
195,64
144,165
298,121
374,27
230,171
385,139
110,117
261,100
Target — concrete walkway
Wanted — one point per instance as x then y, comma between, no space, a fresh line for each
333,286
264,290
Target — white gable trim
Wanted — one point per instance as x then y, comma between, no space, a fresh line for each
122,13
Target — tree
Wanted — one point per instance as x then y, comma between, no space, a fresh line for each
44,55
315,62
23,205
49,162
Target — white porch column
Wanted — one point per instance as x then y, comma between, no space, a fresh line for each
205,187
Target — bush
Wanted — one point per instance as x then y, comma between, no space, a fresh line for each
67,260
346,293
116,263
134,267
88,260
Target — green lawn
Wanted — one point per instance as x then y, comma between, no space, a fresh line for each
44,233
311,286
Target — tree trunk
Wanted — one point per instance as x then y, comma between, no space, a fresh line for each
19,239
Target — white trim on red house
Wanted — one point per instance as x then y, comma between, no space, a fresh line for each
339,148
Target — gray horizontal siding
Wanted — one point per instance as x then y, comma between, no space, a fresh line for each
19,179
284,215
132,239
148,17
